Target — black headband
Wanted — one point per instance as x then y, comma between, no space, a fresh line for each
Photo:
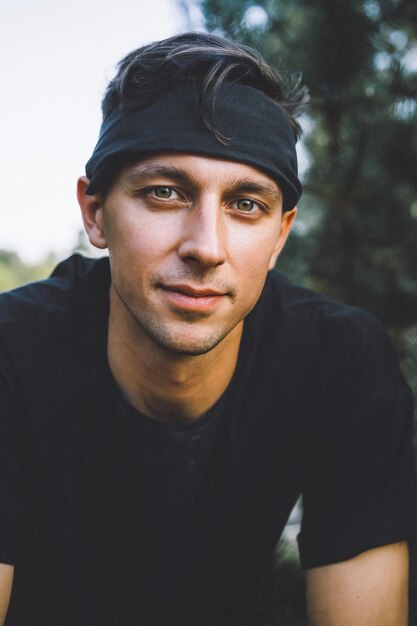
256,131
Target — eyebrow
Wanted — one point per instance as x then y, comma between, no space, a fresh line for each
244,185
164,171
247,185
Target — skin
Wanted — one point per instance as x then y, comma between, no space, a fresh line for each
188,263
182,221
6,582
191,240
177,227
369,590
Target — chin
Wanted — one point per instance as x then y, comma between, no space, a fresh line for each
186,347
185,343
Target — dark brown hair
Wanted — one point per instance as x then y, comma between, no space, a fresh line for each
152,69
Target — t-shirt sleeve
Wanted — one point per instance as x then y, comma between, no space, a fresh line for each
359,484
12,507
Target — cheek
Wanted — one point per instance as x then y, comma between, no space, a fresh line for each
251,272
141,240
253,255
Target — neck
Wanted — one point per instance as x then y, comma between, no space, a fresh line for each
161,384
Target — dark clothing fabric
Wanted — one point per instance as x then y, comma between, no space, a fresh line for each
113,518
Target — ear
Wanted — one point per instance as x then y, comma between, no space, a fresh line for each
287,220
92,214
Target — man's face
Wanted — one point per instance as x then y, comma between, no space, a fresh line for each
190,240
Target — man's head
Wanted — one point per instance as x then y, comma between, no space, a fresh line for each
202,94
192,187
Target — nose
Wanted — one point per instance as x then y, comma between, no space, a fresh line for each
204,235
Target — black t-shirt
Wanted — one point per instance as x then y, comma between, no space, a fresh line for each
113,518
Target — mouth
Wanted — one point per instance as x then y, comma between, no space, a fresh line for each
191,298
193,292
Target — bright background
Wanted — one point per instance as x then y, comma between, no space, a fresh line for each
56,57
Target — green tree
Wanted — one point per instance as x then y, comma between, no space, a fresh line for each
358,216
357,233
15,272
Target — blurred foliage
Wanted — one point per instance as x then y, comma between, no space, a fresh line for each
15,272
357,228
356,238
282,594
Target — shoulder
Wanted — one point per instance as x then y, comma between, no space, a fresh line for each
43,323
325,339
291,305
303,304
60,294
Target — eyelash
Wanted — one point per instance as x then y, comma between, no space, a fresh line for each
151,190
255,204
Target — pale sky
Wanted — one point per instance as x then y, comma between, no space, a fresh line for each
56,57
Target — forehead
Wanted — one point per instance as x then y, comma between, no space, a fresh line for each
199,170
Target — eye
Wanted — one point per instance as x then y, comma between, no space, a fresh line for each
244,204
162,196
163,192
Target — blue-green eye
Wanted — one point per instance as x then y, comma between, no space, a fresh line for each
246,205
163,192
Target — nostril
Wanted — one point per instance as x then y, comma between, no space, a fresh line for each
202,260
204,251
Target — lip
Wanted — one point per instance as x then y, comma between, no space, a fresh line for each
195,292
190,298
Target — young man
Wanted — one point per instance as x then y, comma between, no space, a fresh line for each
163,409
